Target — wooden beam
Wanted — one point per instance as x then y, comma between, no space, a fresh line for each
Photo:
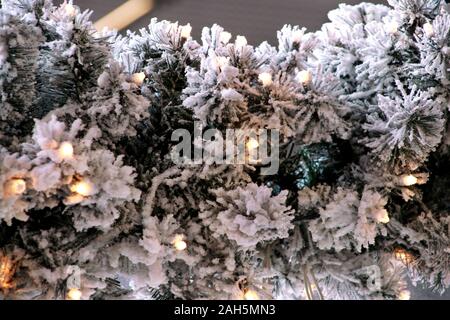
125,14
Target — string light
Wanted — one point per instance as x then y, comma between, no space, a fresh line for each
65,150
252,144
408,180
70,10
304,77
15,187
83,187
186,31
73,199
222,62
403,256
225,37
74,294
382,216
297,36
6,273
428,29
241,41
138,78
179,243
404,295
392,27
250,295
265,78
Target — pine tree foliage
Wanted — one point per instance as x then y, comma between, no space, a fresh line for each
92,200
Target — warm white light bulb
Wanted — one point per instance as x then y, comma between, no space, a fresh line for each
138,78
304,77
73,199
186,31
222,62
392,27
225,37
428,29
15,187
65,150
83,187
74,294
70,10
241,41
252,144
408,180
265,78
382,216
297,36
404,295
179,243
251,295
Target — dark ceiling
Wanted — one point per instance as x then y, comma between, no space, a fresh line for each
258,20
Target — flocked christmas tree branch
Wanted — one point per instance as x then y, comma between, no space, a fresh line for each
94,205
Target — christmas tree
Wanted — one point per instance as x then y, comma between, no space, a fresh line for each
334,184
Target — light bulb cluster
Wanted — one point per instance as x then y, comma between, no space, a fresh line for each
404,295
408,180
304,77
6,273
382,216
392,27
252,144
74,294
70,10
250,295
186,31
428,29
404,256
138,78
241,41
265,78
225,37
297,36
178,243
65,150
14,187
83,187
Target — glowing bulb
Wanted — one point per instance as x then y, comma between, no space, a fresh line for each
304,77
297,36
179,243
403,256
74,294
408,180
241,41
265,78
84,188
392,27
404,295
186,31
6,273
65,150
222,62
15,187
382,216
225,37
251,295
428,29
73,199
138,78
252,144
70,10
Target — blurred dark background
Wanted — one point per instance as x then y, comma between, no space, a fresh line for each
258,20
